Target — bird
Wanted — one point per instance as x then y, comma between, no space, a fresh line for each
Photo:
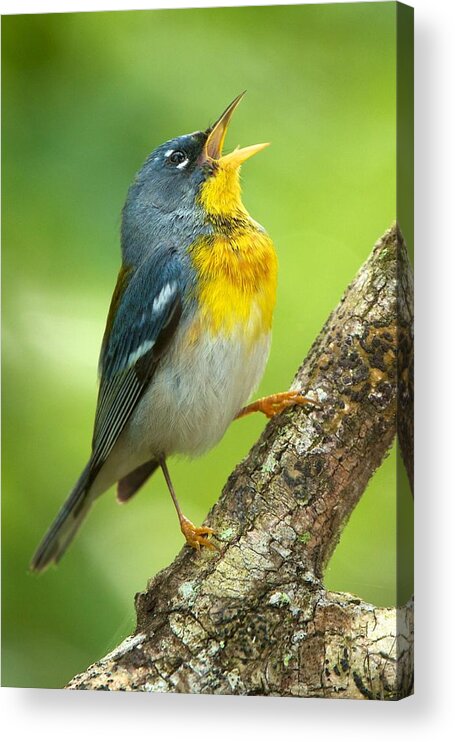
188,330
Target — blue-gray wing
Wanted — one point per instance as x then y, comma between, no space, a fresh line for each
147,309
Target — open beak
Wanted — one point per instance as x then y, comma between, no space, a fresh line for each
213,149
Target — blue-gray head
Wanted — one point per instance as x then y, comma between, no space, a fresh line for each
173,173
180,182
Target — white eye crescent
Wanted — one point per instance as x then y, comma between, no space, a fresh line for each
178,157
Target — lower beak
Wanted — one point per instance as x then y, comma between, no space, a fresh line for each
240,154
217,133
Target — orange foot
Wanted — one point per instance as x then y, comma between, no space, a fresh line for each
196,537
276,403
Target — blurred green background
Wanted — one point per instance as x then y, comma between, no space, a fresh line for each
85,98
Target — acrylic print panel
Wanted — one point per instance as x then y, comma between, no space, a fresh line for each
308,589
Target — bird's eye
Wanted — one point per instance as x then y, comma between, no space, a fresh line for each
177,157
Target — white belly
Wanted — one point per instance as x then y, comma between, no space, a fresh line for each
196,394
193,397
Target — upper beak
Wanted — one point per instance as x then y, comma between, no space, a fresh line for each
213,149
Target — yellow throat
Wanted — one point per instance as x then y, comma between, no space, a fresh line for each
236,265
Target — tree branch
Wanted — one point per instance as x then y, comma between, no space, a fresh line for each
256,618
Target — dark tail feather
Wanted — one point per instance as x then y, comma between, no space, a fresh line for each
66,524
129,485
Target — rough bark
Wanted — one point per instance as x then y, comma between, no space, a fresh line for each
256,618
405,363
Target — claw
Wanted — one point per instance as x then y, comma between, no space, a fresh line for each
276,403
197,537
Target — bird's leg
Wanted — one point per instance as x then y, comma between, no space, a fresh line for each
276,403
195,537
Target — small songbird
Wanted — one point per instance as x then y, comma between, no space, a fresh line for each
188,330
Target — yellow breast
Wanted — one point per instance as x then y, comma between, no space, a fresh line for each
237,275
